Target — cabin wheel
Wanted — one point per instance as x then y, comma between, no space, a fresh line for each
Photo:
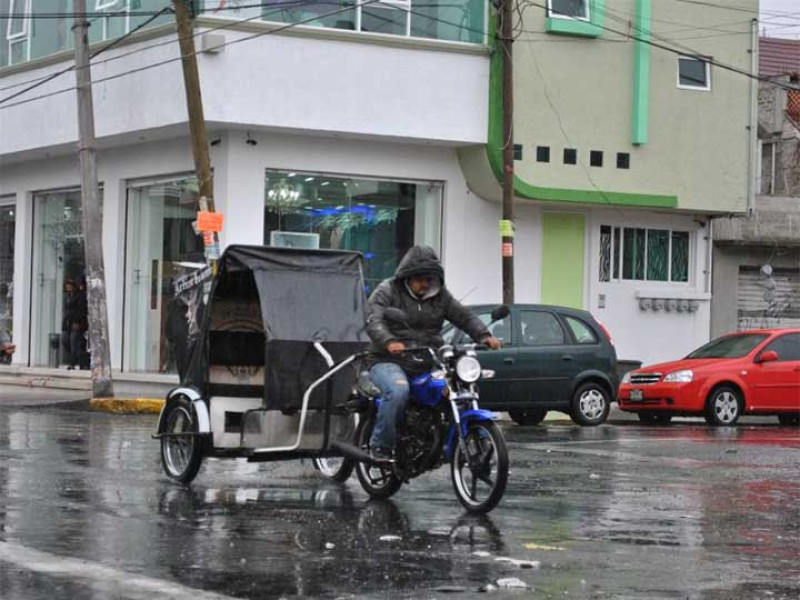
181,455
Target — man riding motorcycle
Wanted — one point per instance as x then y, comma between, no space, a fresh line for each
418,289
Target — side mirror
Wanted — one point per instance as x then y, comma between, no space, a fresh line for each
500,313
396,315
768,356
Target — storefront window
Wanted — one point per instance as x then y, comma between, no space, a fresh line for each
7,230
381,219
59,323
162,245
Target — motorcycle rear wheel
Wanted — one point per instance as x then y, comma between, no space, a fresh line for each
378,482
479,468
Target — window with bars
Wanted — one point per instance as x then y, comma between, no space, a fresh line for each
639,254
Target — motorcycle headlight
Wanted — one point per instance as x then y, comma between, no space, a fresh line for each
679,377
468,369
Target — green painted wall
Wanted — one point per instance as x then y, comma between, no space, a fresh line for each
641,74
616,95
563,237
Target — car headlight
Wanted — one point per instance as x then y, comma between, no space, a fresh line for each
468,369
627,377
679,377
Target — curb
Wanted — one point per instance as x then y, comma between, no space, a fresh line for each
47,383
127,406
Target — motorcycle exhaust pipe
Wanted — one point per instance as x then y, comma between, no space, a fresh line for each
353,453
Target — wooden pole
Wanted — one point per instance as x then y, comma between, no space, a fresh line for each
194,102
91,214
507,226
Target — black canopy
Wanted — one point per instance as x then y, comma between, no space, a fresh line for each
265,309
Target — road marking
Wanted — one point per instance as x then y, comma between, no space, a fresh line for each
93,574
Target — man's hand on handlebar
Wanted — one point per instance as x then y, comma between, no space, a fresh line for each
493,343
396,347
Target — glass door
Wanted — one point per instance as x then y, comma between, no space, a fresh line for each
7,231
58,274
162,245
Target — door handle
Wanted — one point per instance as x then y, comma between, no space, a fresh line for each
568,357
508,361
797,369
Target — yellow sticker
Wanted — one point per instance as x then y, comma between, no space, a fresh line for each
543,547
506,228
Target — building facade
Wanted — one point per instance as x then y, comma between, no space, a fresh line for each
375,128
757,256
630,139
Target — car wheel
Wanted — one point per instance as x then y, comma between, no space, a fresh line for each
723,407
789,420
654,418
590,405
532,416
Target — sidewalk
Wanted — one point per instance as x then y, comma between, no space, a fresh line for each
16,396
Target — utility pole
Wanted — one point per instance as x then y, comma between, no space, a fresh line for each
507,224
194,105
91,214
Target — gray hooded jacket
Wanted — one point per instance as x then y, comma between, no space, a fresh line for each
426,315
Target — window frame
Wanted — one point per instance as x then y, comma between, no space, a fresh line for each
776,339
20,37
566,336
595,338
616,258
554,15
762,145
405,5
696,88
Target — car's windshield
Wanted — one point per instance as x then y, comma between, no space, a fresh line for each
733,346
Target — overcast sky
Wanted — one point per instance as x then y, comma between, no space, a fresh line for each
781,26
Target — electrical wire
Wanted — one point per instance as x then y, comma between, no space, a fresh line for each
112,44
172,60
690,53
228,25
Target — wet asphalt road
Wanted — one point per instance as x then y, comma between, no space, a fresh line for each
621,511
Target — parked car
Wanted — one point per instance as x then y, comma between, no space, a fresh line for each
752,372
553,358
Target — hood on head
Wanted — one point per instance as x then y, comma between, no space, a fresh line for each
420,260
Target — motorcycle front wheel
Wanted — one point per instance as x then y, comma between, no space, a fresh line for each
378,482
479,468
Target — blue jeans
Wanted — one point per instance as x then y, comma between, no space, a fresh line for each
392,381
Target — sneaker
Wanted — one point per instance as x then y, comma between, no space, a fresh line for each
381,454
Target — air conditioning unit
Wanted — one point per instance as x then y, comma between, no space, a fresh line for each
290,239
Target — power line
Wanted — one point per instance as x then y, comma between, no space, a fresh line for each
172,41
172,60
149,13
692,53
778,13
115,42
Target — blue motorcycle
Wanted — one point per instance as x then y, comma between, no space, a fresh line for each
443,424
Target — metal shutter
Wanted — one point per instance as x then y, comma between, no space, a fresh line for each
768,301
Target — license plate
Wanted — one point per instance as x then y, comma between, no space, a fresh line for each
637,395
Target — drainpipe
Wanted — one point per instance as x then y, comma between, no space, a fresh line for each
709,253
753,126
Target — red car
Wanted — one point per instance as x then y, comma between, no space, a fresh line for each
752,372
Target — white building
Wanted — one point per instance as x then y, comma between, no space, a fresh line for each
353,130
